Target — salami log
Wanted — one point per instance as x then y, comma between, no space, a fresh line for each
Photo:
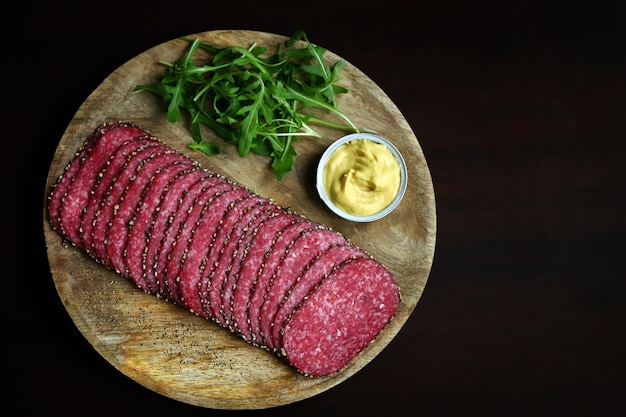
277,279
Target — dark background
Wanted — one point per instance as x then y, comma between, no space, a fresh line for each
519,107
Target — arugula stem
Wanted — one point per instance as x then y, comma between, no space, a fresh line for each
349,128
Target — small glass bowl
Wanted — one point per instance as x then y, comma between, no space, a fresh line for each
320,177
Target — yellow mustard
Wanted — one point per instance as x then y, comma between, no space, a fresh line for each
362,177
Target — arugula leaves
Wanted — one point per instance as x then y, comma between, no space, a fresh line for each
251,99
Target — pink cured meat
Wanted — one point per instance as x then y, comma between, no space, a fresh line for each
205,242
111,199
220,280
341,317
57,195
302,250
249,308
201,246
183,238
139,235
132,199
246,271
64,182
121,223
209,289
230,281
314,272
85,179
172,229
114,165
173,197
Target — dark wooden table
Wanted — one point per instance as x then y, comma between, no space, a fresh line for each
520,109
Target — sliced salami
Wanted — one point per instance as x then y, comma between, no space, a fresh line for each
185,231
209,288
171,201
277,279
78,194
249,308
301,250
221,279
313,273
139,234
127,131
111,200
201,245
105,178
231,282
246,271
172,231
341,317
124,212
59,189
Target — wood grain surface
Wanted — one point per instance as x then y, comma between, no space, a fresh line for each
185,357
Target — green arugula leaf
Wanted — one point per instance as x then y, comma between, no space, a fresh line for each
252,99
206,148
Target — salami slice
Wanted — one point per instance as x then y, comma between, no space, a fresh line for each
231,282
139,234
174,226
249,309
128,131
341,317
59,189
77,195
301,250
314,272
105,178
201,245
111,199
185,230
209,288
246,271
122,221
171,201
221,279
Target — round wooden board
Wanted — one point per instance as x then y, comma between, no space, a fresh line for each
182,356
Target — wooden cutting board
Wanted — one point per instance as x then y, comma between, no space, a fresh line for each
169,350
